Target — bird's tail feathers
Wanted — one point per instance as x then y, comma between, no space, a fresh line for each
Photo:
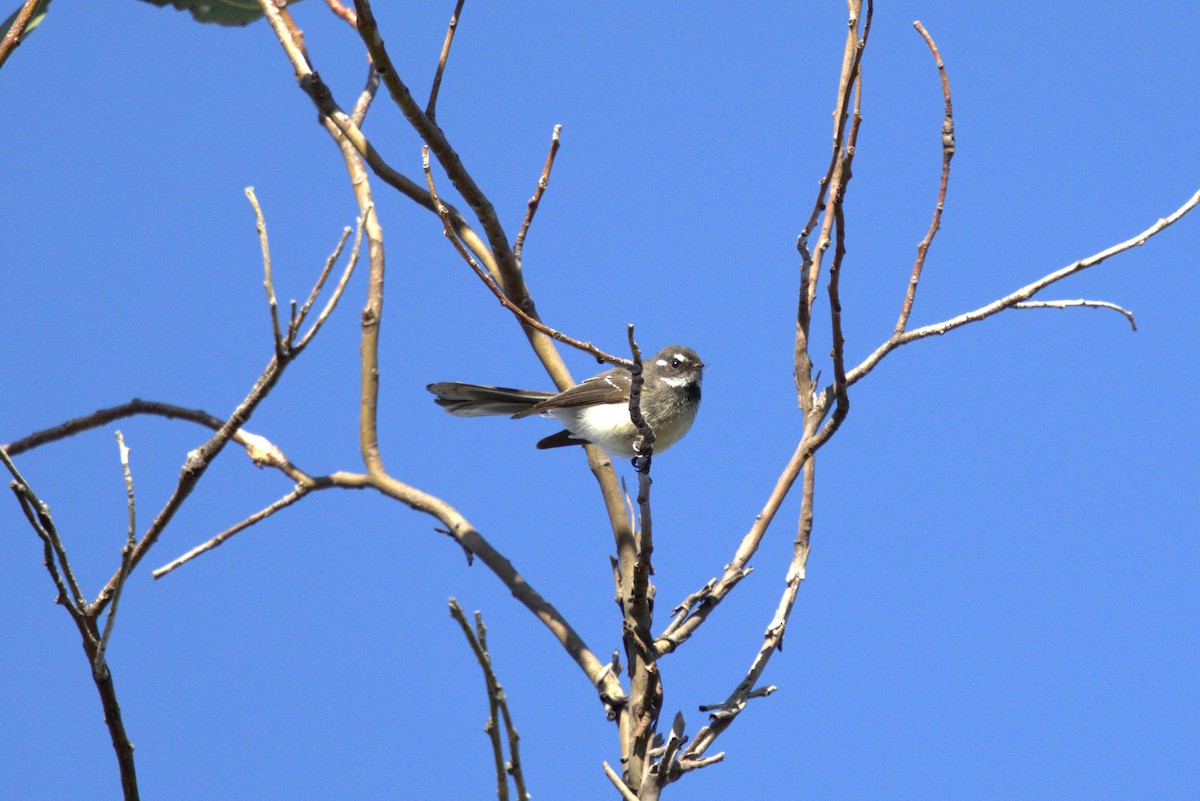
477,400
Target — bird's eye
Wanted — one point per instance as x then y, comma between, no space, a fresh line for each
675,363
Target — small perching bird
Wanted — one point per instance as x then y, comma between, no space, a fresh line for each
597,410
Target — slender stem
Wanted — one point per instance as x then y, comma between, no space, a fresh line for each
947,155
542,184
431,106
269,281
14,36
451,234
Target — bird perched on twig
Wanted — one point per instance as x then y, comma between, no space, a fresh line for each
597,410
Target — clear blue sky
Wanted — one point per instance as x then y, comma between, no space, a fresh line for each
1002,598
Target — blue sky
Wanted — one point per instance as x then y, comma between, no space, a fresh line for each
1002,595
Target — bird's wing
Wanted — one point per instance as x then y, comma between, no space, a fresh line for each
608,387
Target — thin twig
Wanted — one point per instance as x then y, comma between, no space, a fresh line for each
831,186
84,616
514,768
493,690
287,500
721,718
621,786
198,461
1065,304
269,281
534,201
323,99
38,515
838,174
507,271
13,36
298,316
451,234
1021,295
99,667
690,763
839,254
431,106
365,98
39,520
260,449
342,12
332,303
947,155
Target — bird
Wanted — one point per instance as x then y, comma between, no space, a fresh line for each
596,410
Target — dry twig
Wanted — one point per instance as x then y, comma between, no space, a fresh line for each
448,225
497,705
431,106
13,36
542,184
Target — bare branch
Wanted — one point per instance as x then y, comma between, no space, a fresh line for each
699,605
643,446
1065,304
431,106
688,763
509,272
269,281
84,616
298,316
13,36
489,282
38,515
621,786
99,667
466,535
492,727
645,683
1021,295
947,155
832,185
349,136
365,98
323,99
721,718
287,500
259,449
534,201
332,303
198,461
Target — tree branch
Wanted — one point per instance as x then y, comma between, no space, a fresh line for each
1067,304
14,35
947,155
431,106
99,667
1021,295
448,226
534,201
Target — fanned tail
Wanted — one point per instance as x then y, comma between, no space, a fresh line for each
477,400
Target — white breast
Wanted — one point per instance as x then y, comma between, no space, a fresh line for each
609,426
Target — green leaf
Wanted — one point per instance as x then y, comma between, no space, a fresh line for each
222,12
39,13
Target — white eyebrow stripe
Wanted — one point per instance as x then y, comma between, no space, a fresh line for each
681,357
